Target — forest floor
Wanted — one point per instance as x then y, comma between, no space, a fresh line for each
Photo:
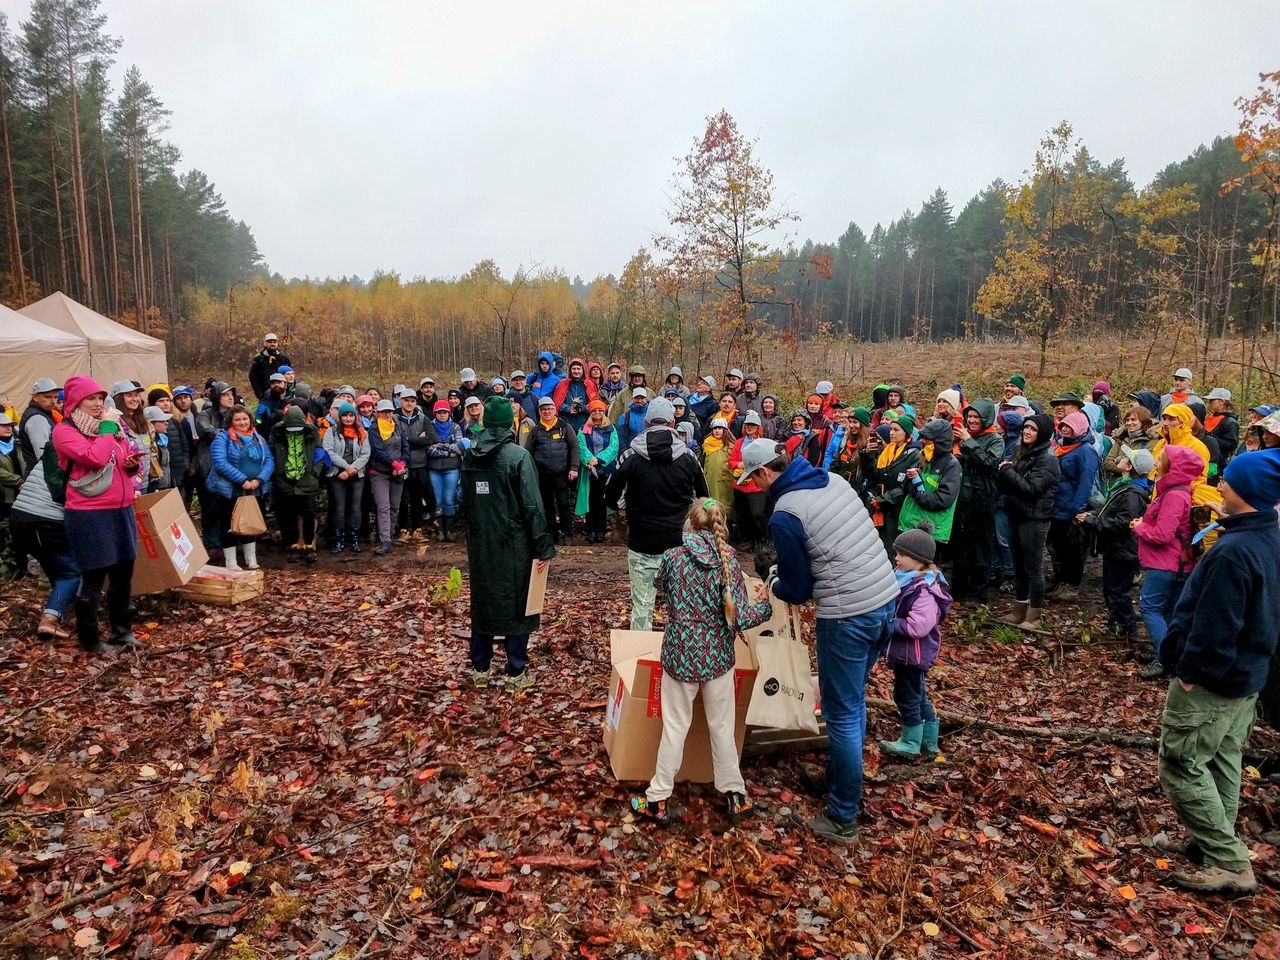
310,774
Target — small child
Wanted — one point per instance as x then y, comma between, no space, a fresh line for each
707,605
1126,501
923,603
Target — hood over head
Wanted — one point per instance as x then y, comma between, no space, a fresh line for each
1185,467
659,444
77,388
938,432
902,391
1182,413
1044,428
548,356
1149,399
986,410
294,419
1078,423
879,396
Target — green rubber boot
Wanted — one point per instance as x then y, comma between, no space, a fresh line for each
907,745
929,743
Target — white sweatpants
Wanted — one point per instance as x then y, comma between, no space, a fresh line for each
677,715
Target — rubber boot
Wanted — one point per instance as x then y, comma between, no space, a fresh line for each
353,538
1032,622
907,745
446,529
251,555
337,543
230,555
929,742
87,626
1019,614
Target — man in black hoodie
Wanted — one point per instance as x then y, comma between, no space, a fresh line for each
659,477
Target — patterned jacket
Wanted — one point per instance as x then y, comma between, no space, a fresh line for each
698,644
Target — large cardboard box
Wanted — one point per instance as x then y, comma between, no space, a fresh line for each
169,548
633,713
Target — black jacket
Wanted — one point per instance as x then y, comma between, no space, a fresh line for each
1226,623
1124,504
554,451
1227,433
265,363
659,477
1030,482
181,449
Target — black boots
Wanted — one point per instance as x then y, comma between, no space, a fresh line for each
446,529
87,626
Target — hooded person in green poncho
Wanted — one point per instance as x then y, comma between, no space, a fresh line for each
506,532
295,483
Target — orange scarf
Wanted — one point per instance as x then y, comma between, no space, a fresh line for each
1212,421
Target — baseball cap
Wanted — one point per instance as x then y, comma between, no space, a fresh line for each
1182,373
125,386
466,373
757,454
154,414
518,375
1018,402
269,336
660,411
425,380
474,402
753,418
183,390
735,372
1142,460
719,422
278,378
709,380
385,406
544,402
44,385
640,392
1219,393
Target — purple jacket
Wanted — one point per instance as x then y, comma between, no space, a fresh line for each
916,635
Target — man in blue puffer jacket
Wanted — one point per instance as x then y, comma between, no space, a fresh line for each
631,423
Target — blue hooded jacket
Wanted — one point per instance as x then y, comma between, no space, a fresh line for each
543,384
1078,478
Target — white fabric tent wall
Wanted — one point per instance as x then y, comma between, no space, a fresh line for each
30,350
115,351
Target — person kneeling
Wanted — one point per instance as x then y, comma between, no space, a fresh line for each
707,605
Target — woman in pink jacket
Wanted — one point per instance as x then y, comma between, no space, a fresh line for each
1164,540
100,465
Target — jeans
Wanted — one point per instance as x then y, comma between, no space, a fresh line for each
1004,555
910,695
387,491
344,504
1117,589
1160,591
1202,737
444,484
642,570
847,650
46,540
1027,545
481,652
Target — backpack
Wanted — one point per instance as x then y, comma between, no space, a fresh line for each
55,478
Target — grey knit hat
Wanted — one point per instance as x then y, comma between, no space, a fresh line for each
917,543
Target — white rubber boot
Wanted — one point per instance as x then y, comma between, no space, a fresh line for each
230,554
251,554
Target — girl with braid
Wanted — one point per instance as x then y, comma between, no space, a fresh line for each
707,608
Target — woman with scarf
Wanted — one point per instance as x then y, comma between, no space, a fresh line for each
573,395
803,441
388,466
444,462
1029,482
129,398
845,453
886,481
242,467
100,465
348,447
772,424
716,447
293,447
813,406
1137,432
1078,461
597,453
750,505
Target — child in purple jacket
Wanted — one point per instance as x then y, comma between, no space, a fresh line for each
923,603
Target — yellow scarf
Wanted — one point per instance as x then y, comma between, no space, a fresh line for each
928,452
711,445
386,428
889,454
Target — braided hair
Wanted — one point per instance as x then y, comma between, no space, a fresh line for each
707,516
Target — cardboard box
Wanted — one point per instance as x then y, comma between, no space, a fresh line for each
633,713
169,548
222,586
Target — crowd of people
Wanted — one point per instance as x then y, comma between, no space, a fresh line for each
855,507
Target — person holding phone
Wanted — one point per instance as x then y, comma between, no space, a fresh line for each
100,466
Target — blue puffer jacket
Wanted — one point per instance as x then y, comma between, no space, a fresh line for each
1079,467
235,461
631,424
543,384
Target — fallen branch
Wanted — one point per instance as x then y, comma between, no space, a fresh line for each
559,863
61,905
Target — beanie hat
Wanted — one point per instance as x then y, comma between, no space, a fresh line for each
1101,387
1078,423
882,431
363,399
660,411
156,393
345,408
952,397
1019,381
302,391
1255,477
862,415
813,398
497,413
466,375
441,405
752,417
597,405
918,542
907,423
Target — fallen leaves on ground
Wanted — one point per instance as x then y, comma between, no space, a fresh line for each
312,775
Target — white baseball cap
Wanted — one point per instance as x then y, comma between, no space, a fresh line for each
1182,373
758,453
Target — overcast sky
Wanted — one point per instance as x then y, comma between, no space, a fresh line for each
423,137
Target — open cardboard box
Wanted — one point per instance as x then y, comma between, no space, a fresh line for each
169,548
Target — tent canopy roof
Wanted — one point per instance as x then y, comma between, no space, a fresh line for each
103,333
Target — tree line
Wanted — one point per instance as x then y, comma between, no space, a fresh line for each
94,203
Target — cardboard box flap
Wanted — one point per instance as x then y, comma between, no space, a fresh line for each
632,644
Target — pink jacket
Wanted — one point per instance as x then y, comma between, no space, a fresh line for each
1166,526
79,455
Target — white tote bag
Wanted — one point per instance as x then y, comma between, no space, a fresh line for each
783,694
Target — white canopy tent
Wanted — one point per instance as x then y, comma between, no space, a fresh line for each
115,351
30,350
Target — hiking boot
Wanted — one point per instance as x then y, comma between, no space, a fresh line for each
295,554
405,536
1187,849
481,679
1019,614
522,681
929,742
657,810
50,628
823,827
1216,880
1032,622
383,549
1152,671
738,805
123,637
309,554
446,530
907,745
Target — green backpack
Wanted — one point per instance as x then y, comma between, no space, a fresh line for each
912,513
